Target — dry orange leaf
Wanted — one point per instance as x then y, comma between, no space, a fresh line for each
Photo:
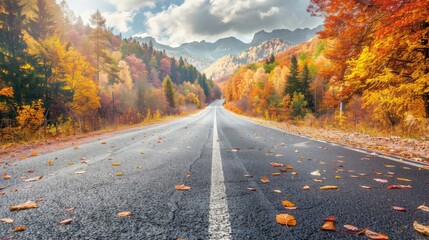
51,162
34,154
182,187
351,228
404,179
19,229
124,214
375,235
421,228
6,220
275,164
328,187
119,174
289,167
399,187
401,209
287,203
76,148
423,208
306,187
328,226
286,219
381,180
33,179
6,176
115,164
264,179
71,163
66,221
294,173
70,209
24,206
103,142
276,174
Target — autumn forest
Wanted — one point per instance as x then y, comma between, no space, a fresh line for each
368,69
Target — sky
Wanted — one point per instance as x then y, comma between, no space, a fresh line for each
174,22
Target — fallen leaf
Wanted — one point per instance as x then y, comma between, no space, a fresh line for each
76,148
70,209
276,174
423,208
404,179
291,208
71,163
330,219
401,209
6,220
328,226
119,174
115,164
406,168
315,173
289,167
264,179
366,187
318,180
80,172
24,206
188,175
375,235
399,187
248,176
421,228
328,187
124,214
287,203
33,179
19,229
51,162
6,176
337,177
381,180
283,170
277,191
389,166
34,154
286,219
306,187
275,164
30,171
351,228
294,173
279,155
251,189
182,187
103,142
66,221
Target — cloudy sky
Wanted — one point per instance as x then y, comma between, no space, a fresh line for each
177,21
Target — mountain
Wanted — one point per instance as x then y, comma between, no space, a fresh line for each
297,36
220,70
203,54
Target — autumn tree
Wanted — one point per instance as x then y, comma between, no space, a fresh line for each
168,88
42,25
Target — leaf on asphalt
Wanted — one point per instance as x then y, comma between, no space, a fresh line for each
328,187
381,180
118,174
318,180
115,164
279,155
289,167
6,176
421,228
351,228
24,206
124,214
71,163
66,221
328,226
80,172
378,173
291,208
19,229
390,166
366,187
277,191
51,162
251,189
315,173
375,235
75,148
406,168
182,187
400,209
286,219
330,219
276,173
337,177
34,154
275,164
287,203
248,176
423,208
306,187
30,171
265,179
399,187
103,142
33,179
6,220
295,173
70,209
283,170
404,179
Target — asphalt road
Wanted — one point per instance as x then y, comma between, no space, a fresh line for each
210,152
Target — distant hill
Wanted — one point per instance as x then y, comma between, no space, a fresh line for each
221,70
203,54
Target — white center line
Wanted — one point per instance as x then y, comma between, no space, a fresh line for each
219,224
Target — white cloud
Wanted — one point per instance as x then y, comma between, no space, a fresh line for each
124,5
119,20
273,11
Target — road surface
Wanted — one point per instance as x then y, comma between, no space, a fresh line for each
211,152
